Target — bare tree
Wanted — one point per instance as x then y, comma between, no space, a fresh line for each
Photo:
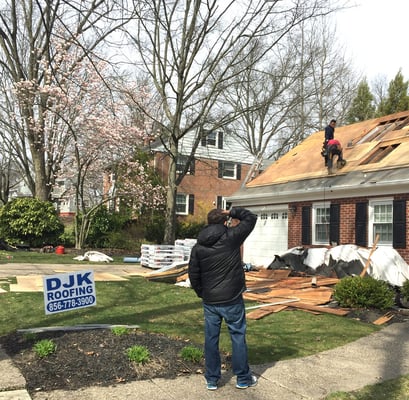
305,81
191,49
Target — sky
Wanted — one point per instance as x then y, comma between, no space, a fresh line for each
375,35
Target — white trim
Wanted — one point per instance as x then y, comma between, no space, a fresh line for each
234,177
314,219
371,204
186,212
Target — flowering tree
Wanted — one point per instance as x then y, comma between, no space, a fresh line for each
35,38
103,135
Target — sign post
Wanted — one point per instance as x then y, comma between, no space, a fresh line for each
65,292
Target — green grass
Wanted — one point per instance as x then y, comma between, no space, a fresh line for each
396,389
177,312
35,257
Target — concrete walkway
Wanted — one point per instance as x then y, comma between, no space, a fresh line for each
380,356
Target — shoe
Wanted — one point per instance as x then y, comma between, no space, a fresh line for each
254,381
211,386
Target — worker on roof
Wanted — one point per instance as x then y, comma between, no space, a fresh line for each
329,134
334,148
330,129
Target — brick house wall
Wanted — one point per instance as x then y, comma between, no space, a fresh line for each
204,184
347,222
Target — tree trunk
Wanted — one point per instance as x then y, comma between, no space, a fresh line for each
170,222
42,189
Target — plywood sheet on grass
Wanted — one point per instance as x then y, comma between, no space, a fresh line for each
34,283
31,283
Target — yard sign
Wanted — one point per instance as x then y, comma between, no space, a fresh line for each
65,292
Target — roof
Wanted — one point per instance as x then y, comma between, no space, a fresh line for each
377,154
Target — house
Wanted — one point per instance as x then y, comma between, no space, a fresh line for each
219,168
300,205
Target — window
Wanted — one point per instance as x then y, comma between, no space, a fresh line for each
181,162
321,214
212,139
381,221
184,204
229,170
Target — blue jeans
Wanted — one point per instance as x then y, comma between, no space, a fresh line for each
235,317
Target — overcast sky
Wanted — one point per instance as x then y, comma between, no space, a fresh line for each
375,35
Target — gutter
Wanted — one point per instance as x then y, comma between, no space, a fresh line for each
369,188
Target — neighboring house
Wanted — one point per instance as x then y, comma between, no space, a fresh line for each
299,204
220,166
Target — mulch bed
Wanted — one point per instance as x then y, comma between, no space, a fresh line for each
95,357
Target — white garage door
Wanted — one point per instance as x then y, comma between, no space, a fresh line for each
269,237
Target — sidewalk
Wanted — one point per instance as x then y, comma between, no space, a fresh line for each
381,356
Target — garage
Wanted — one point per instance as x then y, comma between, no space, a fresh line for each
269,237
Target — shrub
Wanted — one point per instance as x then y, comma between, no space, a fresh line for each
31,221
44,347
356,291
155,227
119,330
405,289
105,223
188,229
138,354
191,353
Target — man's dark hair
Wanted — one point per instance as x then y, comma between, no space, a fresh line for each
216,216
333,120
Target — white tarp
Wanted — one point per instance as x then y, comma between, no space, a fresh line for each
385,263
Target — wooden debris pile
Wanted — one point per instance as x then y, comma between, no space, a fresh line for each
277,291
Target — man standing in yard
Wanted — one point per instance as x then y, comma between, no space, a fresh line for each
216,274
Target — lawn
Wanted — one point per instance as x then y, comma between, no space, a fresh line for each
176,312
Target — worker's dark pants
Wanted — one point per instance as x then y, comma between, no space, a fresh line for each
333,151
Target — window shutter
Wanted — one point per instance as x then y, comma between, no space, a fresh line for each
238,170
204,141
191,204
361,222
399,224
220,169
306,225
192,167
334,218
220,140
219,202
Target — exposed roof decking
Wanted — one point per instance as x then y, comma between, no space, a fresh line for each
305,161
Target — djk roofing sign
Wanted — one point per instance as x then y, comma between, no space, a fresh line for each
64,292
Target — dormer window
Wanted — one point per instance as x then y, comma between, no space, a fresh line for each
213,139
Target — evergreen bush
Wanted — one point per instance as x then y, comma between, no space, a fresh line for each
30,221
358,292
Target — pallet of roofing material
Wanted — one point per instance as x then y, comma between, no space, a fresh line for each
158,256
186,246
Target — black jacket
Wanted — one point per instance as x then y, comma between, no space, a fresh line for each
215,267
